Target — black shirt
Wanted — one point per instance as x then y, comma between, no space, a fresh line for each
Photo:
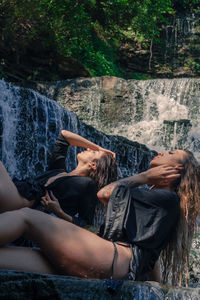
144,218
76,194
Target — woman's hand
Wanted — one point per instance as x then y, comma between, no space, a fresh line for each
107,151
50,203
162,175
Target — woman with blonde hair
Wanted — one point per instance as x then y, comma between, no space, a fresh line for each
175,257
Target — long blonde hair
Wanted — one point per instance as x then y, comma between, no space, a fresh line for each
175,257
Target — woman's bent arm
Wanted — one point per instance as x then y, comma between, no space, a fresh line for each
77,140
105,193
158,176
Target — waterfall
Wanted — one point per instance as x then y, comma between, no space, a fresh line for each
169,117
159,109
30,123
161,113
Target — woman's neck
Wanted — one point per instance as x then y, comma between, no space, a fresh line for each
79,171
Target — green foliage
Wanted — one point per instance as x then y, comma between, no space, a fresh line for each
139,76
150,15
89,30
100,59
184,5
195,66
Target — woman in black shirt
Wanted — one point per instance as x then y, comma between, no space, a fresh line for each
76,191
139,224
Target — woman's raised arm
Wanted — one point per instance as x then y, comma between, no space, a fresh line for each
77,140
158,176
105,193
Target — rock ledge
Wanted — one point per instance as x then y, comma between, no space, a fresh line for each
21,285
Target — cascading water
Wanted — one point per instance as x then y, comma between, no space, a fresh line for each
169,118
162,113
169,114
30,124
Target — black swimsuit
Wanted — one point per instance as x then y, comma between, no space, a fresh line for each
129,276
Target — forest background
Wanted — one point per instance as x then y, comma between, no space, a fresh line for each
41,34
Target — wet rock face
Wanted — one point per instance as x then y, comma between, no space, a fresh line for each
23,286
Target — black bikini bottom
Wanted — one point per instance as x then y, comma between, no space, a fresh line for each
132,267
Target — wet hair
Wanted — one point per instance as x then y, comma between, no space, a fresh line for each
175,258
106,171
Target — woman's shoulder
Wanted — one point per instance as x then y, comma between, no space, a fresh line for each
77,180
154,191
83,184
166,198
84,180
165,193
159,197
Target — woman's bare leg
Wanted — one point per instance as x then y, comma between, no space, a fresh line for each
71,249
25,259
10,199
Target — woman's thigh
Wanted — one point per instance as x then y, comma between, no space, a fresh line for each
10,199
74,250
25,259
